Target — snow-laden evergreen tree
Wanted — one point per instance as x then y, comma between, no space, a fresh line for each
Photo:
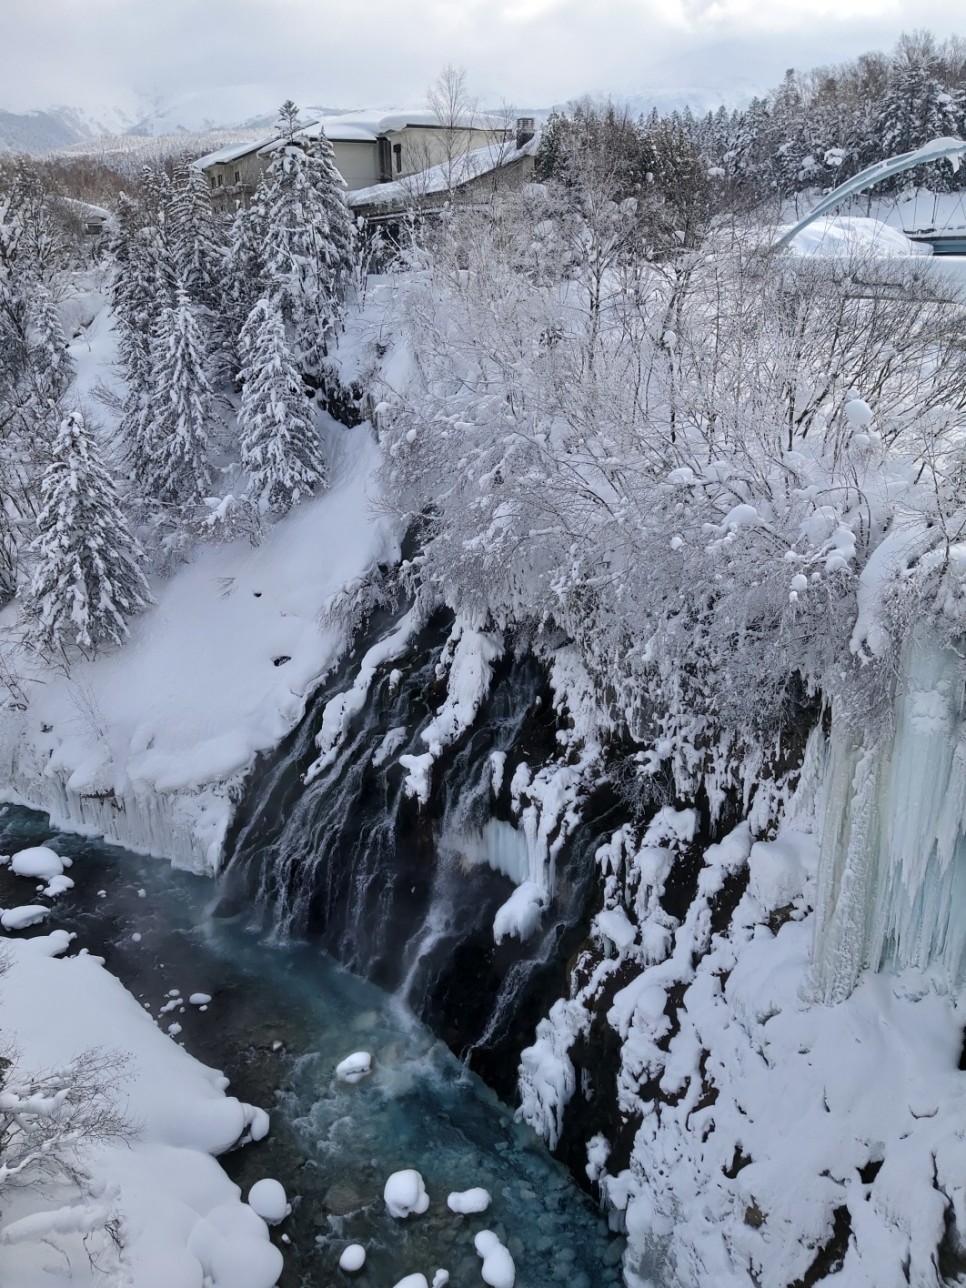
279,442
195,237
244,267
51,364
143,285
173,447
916,109
88,579
309,244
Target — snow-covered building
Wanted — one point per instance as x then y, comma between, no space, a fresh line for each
370,148
464,178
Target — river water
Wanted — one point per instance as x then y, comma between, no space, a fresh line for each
280,1019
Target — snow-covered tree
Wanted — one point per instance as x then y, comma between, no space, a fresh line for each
196,244
279,442
173,447
87,578
244,267
51,364
916,108
309,244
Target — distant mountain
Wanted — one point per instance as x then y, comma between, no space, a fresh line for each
236,107
227,107
57,127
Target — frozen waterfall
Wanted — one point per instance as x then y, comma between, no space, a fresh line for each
892,876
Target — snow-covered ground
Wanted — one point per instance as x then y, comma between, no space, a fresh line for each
147,743
775,1135
150,1207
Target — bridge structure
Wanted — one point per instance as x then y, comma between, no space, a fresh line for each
944,241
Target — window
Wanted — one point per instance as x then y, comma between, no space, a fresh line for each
397,153
237,176
219,181
212,180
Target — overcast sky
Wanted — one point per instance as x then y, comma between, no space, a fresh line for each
349,53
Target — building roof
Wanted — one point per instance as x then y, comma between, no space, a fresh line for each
369,123
438,178
230,153
364,126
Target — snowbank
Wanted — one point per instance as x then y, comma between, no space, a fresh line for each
846,234
179,1217
771,1130
146,744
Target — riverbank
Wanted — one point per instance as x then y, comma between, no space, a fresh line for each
279,1020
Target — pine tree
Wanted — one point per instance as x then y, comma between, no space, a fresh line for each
88,577
310,244
177,415
279,443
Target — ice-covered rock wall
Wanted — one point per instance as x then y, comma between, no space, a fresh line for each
186,827
892,876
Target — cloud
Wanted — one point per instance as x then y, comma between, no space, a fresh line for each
375,52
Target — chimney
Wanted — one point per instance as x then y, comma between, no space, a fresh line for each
526,128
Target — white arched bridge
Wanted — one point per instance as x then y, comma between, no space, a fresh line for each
950,240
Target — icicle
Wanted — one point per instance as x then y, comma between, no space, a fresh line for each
892,879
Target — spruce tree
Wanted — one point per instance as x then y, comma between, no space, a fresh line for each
196,245
51,364
310,244
177,412
244,268
915,110
279,442
88,579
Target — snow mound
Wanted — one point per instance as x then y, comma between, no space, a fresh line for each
846,234
413,1281
354,1067
405,1194
353,1258
520,915
779,869
467,1202
38,861
199,999
58,885
184,1221
497,1269
30,914
267,1198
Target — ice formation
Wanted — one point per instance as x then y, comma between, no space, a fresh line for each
892,876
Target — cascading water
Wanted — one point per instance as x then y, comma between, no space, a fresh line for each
406,894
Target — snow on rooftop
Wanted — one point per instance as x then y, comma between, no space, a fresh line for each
377,121
85,209
230,153
439,178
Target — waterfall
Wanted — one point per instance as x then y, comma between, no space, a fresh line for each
892,876
334,849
